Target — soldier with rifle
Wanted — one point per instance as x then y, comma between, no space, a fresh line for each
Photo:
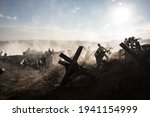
133,44
100,54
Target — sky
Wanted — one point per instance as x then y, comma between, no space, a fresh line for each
87,20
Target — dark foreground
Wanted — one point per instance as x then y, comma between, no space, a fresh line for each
117,80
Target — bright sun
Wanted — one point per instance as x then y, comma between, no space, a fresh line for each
122,21
121,15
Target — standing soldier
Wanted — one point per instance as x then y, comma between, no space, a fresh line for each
133,44
99,55
43,60
126,42
5,55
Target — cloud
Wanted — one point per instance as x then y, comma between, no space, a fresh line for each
75,10
107,32
11,18
32,32
1,16
105,26
8,17
14,32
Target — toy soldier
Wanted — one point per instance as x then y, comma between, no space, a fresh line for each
28,51
49,51
24,63
5,55
133,44
43,60
126,42
99,55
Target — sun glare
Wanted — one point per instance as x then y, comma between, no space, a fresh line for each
122,21
121,15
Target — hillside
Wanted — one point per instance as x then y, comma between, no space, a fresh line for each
118,79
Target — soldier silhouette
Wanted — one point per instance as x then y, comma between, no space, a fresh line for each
99,55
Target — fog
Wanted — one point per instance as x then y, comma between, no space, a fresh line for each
18,47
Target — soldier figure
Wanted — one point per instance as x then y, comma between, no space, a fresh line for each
43,60
24,63
49,51
5,55
126,42
131,42
27,52
99,55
